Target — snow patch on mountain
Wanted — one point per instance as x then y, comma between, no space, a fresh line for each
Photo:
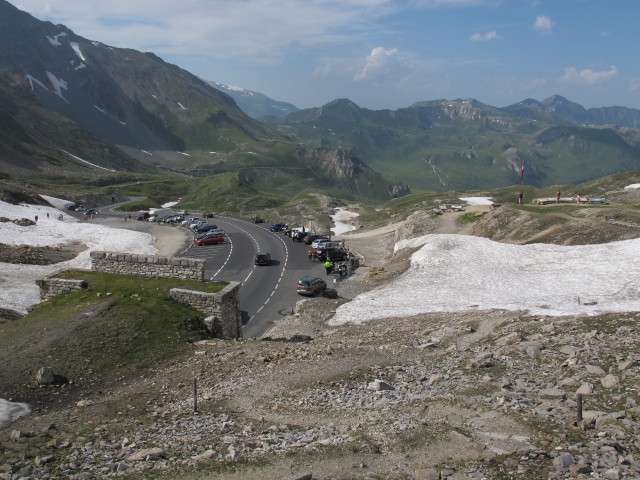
76,48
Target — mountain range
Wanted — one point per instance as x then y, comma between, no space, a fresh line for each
70,105
465,144
255,104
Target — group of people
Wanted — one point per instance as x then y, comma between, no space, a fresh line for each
341,268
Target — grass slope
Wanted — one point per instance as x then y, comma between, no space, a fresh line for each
119,326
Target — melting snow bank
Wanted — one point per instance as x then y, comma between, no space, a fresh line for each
477,200
460,273
10,412
19,290
341,219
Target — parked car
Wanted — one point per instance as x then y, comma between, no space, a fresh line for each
310,238
318,241
334,254
189,221
208,215
91,211
205,228
198,224
277,227
257,220
310,285
209,240
174,218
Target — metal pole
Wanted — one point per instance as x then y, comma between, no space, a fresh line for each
195,395
579,408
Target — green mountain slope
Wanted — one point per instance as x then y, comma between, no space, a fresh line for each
122,95
36,141
464,144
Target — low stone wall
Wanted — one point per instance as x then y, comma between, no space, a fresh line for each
223,308
148,265
50,287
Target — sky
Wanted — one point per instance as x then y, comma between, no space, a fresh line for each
381,53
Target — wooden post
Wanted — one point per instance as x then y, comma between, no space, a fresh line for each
579,408
195,395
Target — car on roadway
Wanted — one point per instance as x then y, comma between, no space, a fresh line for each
310,286
208,215
214,239
257,220
263,258
277,227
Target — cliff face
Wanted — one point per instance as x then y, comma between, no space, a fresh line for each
399,190
345,171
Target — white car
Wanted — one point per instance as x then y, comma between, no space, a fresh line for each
189,221
316,243
198,224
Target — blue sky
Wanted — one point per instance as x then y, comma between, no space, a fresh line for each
381,53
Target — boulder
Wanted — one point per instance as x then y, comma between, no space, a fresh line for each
610,381
154,453
594,370
564,461
45,376
585,389
378,385
552,394
426,474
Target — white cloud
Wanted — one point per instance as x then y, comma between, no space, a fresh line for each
380,65
217,28
634,84
543,24
485,37
587,76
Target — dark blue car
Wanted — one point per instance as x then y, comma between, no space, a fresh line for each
277,227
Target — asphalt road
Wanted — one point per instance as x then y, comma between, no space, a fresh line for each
268,292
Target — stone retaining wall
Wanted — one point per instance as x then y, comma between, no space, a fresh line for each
50,287
223,307
148,265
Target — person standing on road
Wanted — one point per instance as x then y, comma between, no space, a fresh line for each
328,266
558,196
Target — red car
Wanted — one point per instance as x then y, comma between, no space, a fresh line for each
209,240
